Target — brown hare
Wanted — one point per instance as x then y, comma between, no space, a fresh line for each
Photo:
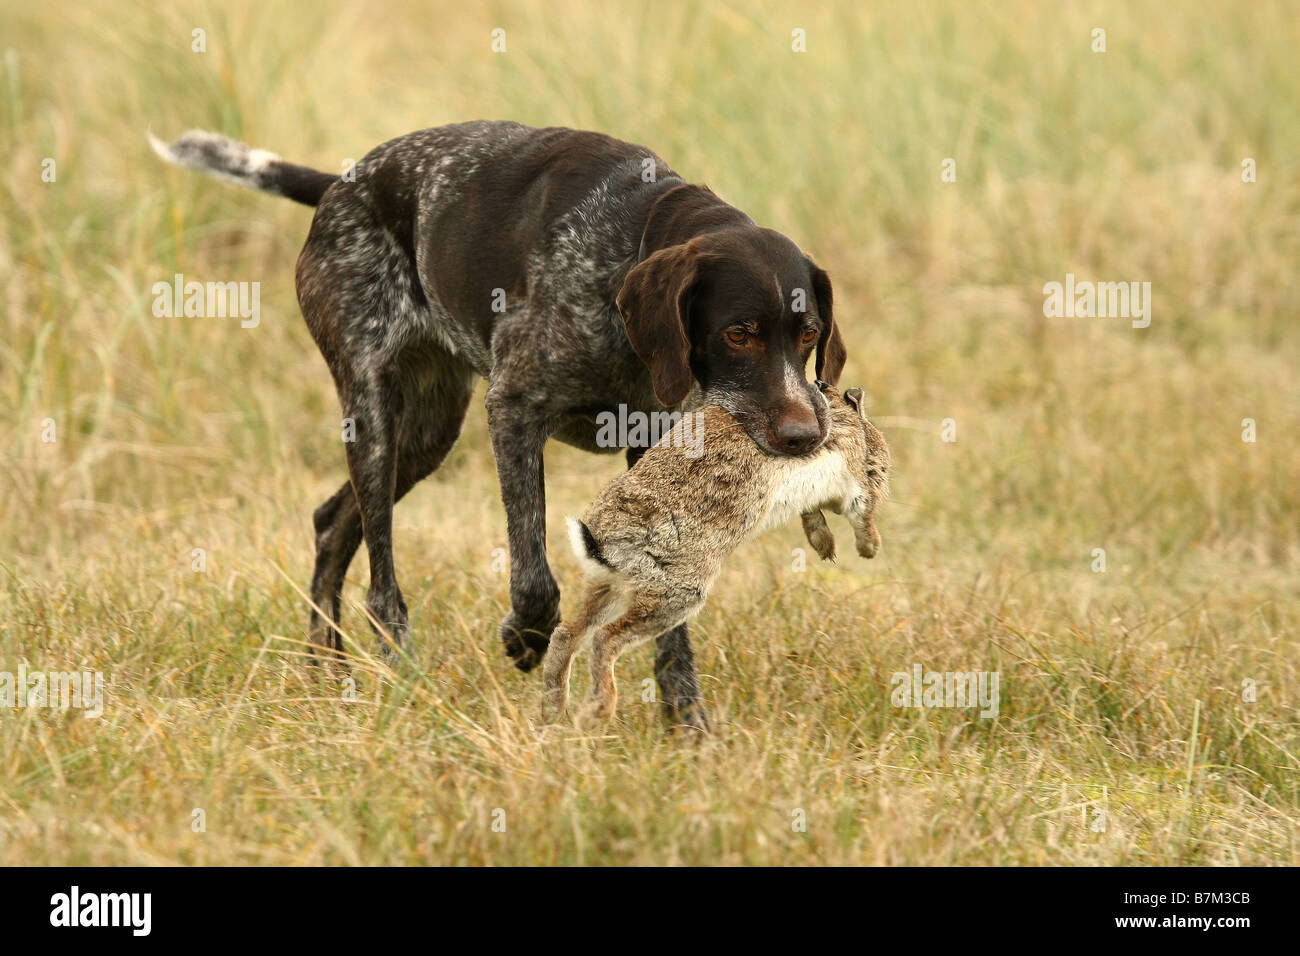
653,542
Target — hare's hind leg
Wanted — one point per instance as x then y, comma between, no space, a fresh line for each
650,613
566,641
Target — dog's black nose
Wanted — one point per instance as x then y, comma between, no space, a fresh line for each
796,437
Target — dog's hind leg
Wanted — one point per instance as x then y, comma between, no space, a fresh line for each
372,407
338,535
436,389
403,395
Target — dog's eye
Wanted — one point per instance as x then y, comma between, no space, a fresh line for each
808,337
736,335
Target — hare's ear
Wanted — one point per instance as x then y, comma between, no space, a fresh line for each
655,303
854,397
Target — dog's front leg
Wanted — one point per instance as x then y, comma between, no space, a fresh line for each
519,434
679,687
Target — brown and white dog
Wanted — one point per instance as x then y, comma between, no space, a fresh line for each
578,275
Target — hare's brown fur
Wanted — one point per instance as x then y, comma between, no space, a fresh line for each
654,540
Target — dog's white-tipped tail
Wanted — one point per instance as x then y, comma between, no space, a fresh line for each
159,147
218,156
234,162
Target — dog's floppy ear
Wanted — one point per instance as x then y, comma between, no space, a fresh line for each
830,346
655,303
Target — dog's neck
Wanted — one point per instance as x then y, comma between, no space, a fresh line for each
685,212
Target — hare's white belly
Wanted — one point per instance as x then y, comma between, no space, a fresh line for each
803,485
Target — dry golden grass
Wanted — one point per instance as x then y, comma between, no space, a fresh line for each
1120,691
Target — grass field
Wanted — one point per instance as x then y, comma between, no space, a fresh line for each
1127,732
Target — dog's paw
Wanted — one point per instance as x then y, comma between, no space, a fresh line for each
691,719
394,642
394,655
526,643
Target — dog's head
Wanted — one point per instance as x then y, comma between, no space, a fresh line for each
739,310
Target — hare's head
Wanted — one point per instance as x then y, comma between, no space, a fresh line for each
861,443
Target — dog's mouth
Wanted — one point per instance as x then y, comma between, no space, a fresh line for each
803,450
766,430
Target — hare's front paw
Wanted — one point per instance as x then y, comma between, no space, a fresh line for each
818,533
868,541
